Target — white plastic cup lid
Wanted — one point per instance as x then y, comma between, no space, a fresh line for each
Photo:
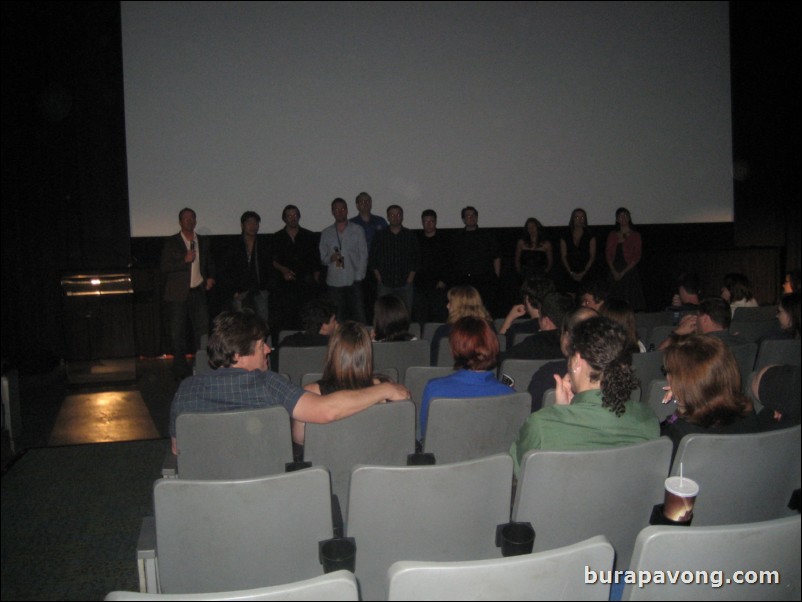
682,487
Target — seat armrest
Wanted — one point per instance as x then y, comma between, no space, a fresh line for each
170,465
146,558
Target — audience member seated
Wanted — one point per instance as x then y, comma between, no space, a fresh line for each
349,366
533,291
788,317
792,282
713,319
777,388
391,320
241,380
704,382
593,406
737,291
545,344
619,310
319,319
474,347
463,302
594,294
543,378
688,292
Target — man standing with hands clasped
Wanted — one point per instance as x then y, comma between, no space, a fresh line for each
188,268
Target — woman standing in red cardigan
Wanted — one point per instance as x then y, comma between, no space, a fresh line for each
623,254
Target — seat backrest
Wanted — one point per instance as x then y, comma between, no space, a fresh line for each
416,379
429,328
753,331
440,513
745,358
339,585
400,355
297,361
444,357
645,319
466,428
764,313
552,575
654,397
767,550
383,434
742,478
658,334
414,330
521,371
227,535
549,397
779,351
202,361
285,333
569,496
313,377
648,367
233,445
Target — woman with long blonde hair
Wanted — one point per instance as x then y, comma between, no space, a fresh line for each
463,302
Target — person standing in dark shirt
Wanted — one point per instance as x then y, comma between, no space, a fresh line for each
248,268
430,301
477,258
394,258
297,269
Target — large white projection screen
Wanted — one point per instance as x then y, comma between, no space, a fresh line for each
517,108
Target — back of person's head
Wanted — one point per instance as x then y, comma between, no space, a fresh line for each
315,313
718,310
349,358
234,333
465,301
619,310
474,345
791,305
738,287
391,319
535,288
602,343
690,282
705,380
555,306
570,320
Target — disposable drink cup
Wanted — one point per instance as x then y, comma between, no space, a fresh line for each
680,496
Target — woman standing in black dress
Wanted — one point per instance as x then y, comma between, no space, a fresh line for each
578,251
533,255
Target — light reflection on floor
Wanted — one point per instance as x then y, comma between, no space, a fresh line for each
101,417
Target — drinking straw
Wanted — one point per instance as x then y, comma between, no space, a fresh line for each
680,474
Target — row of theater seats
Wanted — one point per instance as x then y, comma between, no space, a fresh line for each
578,571
212,535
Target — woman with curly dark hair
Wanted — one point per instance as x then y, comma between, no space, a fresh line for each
594,406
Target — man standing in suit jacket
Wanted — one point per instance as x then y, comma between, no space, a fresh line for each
187,267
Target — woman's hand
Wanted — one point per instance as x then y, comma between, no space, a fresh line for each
563,392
